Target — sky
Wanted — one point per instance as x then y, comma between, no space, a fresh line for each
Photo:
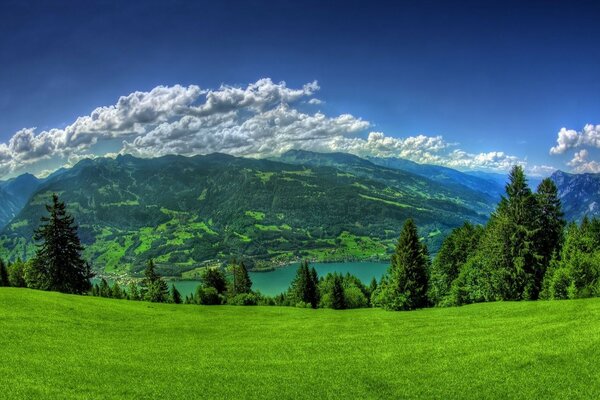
473,85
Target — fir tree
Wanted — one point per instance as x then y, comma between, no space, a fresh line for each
214,278
57,264
304,287
133,293
3,274
241,279
175,295
405,287
157,290
116,292
338,302
104,289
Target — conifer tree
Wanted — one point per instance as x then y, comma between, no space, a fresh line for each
104,289
550,224
405,287
338,301
116,292
57,264
214,278
304,287
175,295
133,291
241,280
3,274
157,290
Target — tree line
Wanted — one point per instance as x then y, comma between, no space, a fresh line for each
526,251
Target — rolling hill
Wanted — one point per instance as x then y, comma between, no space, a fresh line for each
184,211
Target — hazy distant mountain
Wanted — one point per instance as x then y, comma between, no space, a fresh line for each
14,194
182,211
580,194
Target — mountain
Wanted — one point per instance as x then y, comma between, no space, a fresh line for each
447,176
14,194
183,211
579,193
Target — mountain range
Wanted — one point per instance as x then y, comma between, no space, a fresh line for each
184,212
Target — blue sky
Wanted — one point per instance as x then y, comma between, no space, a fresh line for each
472,85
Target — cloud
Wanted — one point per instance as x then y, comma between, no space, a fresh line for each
581,164
569,139
262,119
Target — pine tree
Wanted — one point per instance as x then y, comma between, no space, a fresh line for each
550,224
304,288
133,291
241,279
116,292
57,264
338,302
405,287
104,289
3,274
214,278
175,295
157,290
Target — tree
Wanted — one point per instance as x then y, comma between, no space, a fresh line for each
550,228
241,280
406,283
461,244
116,292
214,278
175,295
104,289
338,301
3,274
58,264
133,291
157,290
304,287
16,274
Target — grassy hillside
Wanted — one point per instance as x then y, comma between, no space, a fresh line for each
61,346
183,211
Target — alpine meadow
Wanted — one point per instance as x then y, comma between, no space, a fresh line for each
412,213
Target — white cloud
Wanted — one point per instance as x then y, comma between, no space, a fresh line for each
315,101
581,164
262,119
569,138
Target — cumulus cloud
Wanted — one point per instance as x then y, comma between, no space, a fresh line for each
569,139
581,164
262,119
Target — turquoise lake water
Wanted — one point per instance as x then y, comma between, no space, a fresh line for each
277,281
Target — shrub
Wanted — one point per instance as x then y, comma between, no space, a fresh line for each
208,296
243,299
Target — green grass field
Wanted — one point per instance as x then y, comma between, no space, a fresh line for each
61,346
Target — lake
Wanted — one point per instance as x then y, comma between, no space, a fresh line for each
275,282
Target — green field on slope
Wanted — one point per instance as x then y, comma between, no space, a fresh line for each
62,346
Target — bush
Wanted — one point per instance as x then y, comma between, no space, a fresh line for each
16,274
355,298
208,296
243,299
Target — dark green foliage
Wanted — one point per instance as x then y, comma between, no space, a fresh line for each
57,264
104,289
95,290
241,282
405,286
175,295
338,301
214,278
133,292
208,295
456,249
16,274
304,288
3,274
156,289
244,299
116,291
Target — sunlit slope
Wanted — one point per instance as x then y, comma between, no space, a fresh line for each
61,346
182,211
